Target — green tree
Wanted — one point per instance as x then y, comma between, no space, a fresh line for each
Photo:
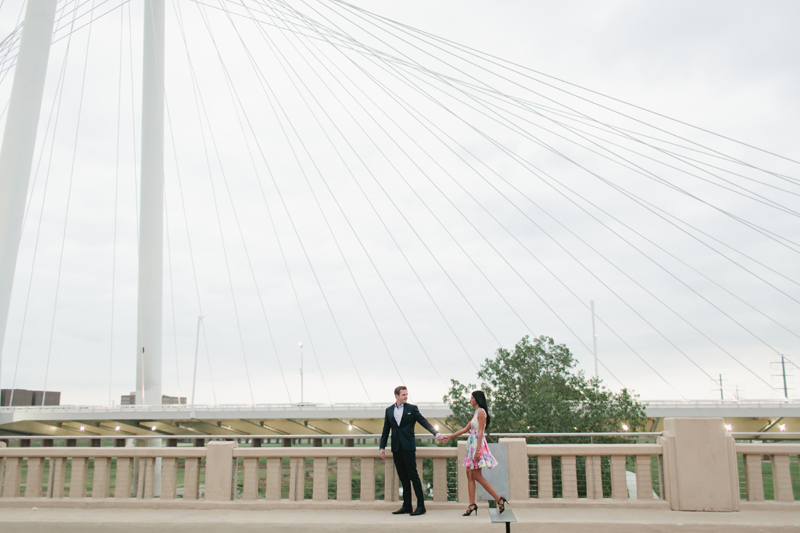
537,389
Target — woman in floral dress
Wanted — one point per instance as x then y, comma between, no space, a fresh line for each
477,455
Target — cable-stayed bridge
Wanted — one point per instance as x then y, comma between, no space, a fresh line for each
401,204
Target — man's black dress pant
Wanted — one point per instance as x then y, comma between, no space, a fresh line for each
405,461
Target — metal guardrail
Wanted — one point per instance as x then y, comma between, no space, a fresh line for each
223,407
687,404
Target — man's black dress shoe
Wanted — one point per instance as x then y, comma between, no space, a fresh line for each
418,511
402,510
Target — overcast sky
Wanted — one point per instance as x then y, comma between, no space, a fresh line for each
422,204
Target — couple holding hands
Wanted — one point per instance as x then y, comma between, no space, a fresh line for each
401,418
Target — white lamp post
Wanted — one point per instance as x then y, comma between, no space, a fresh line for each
300,344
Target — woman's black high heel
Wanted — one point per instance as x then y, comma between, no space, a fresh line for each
501,505
472,507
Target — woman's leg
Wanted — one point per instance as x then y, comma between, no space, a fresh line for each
477,476
471,487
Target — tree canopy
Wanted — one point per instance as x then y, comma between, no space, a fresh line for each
537,389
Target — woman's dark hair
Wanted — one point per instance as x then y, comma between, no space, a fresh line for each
480,399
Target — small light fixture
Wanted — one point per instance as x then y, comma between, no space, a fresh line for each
728,427
81,428
154,428
624,427
350,426
782,427
436,427
116,428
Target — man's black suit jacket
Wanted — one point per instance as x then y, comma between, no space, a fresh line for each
404,433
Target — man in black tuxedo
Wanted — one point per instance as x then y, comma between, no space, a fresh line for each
402,417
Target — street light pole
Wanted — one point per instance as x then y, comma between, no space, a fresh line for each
300,344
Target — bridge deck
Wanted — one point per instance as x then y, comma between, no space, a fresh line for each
541,520
321,420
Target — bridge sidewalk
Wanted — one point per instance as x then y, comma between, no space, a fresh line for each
540,520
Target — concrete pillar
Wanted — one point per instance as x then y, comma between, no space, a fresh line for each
518,472
219,471
700,467
19,140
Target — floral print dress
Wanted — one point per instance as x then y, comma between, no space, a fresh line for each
487,459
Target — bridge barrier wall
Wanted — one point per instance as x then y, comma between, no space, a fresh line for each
684,469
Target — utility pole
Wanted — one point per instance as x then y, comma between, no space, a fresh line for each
721,390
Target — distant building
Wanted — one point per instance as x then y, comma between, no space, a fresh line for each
26,398
130,399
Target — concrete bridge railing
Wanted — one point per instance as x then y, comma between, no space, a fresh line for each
694,465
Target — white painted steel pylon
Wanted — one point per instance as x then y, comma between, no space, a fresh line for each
19,140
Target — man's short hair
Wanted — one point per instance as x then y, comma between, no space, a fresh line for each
398,389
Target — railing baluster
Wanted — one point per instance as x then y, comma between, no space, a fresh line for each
619,484
782,478
367,479
644,477
122,483
297,471
11,477
569,477
594,477
149,477
274,478
344,488
320,487
440,479
169,478
58,470
753,477
33,482
101,477
250,484
77,479
390,492
191,478
545,469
